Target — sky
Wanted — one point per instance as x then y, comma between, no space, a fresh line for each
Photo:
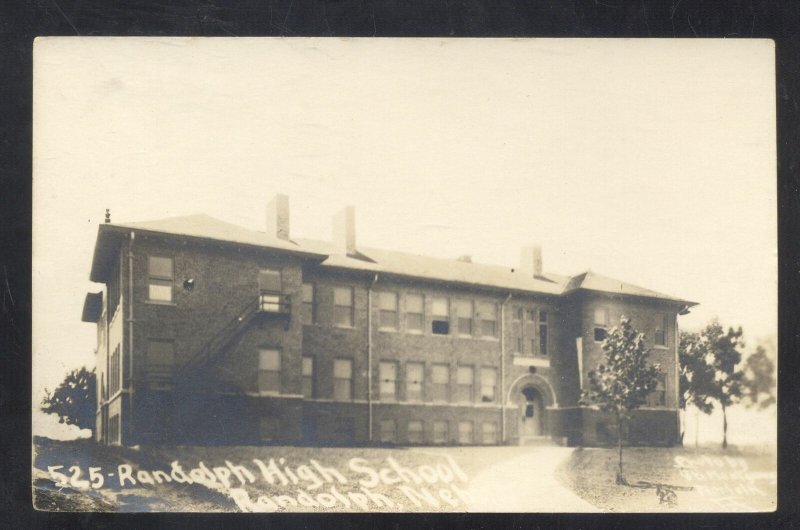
650,161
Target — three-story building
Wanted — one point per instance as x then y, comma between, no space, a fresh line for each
212,333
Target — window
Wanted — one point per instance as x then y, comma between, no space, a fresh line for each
114,374
487,312
440,378
517,314
160,276
160,363
415,432
600,324
415,313
309,303
114,429
520,349
465,432
387,304
387,374
343,379
388,432
268,428
658,397
308,377
343,306
530,315
415,381
465,379
440,432
488,383
542,332
489,433
661,330
269,290
464,316
269,371
441,316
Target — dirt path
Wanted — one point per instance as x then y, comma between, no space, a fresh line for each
526,483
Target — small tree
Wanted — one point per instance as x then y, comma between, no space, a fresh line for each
74,401
759,379
696,375
621,383
724,357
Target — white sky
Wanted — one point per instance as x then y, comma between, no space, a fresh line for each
653,162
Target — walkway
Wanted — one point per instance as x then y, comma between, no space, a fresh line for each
526,483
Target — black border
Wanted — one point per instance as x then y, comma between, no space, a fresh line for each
21,22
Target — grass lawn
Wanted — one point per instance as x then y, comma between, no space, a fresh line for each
736,479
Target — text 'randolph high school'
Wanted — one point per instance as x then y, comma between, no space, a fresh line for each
212,333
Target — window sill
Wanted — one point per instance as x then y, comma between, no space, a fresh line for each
340,326
160,302
414,332
660,347
489,338
388,330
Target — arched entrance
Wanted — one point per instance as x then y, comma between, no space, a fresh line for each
532,421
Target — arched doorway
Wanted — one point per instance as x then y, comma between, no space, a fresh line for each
532,421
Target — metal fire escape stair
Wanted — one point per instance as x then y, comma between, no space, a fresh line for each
199,364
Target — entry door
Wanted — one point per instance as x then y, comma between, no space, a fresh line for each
532,416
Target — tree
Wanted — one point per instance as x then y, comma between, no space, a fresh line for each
74,400
759,379
724,357
621,383
696,375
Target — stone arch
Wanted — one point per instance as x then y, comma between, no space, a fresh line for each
539,383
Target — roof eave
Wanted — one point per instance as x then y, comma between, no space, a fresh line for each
676,301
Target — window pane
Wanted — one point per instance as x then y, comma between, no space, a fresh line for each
487,311
488,383
415,431
388,380
308,366
158,290
388,431
542,316
343,368
465,432
440,327
465,375
269,381
489,434
414,321
599,334
543,340
387,301
343,296
343,316
439,307
441,374
269,360
440,377
414,381
440,432
601,316
268,428
269,281
160,267
463,308
308,293
488,328
342,390
414,303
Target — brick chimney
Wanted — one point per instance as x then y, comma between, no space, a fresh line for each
278,217
530,260
344,231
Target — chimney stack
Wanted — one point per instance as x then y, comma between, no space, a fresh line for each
344,230
278,217
531,260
